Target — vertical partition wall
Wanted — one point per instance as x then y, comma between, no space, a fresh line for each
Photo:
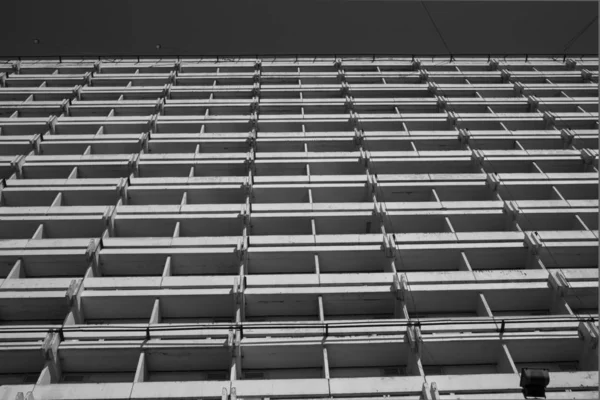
298,228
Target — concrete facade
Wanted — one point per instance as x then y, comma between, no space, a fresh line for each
298,228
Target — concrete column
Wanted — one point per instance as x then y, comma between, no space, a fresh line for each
559,285
325,363
239,300
463,263
93,256
448,225
74,173
155,316
512,212
2,186
317,267
506,365
141,372
17,271
167,267
533,244
122,191
51,373
321,309
483,308
236,361
233,366
435,197
75,315
183,199
556,195
578,224
414,365
109,220
400,285
57,202
176,230
588,333
536,168
16,165
430,391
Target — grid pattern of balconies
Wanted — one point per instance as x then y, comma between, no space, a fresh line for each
298,228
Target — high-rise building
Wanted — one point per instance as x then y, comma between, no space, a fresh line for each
298,228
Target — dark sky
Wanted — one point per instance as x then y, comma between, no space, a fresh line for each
221,27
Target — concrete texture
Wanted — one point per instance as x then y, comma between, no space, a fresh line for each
258,229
